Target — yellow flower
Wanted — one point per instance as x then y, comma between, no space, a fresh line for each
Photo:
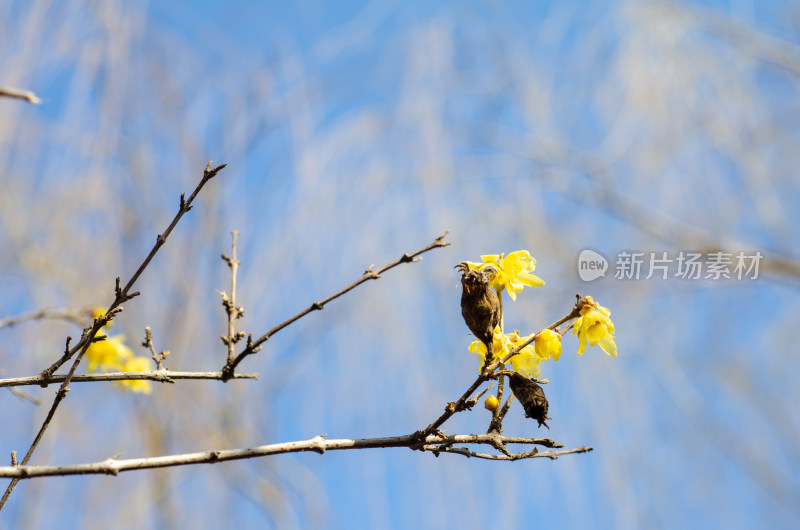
491,403
526,362
513,271
499,346
595,327
113,355
548,344
136,364
108,354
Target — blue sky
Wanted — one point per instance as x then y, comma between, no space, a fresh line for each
358,131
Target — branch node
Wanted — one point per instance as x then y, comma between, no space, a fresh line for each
319,444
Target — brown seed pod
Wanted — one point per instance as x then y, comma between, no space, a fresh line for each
531,397
480,306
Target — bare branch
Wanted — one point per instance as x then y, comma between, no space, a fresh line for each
162,375
318,444
233,311
254,345
27,95
44,314
158,358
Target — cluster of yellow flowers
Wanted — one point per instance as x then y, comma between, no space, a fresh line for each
514,272
113,355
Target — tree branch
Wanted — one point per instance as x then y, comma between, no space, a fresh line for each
318,444
163,375
43,314
16,93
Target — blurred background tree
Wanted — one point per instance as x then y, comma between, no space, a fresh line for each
354,132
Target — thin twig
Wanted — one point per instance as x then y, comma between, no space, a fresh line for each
534,453
158,358
27,95
496,423
24,396
233,311
44,314
122,295
318,444
254,345
162,375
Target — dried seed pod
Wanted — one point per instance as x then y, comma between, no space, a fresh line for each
531,397
480,306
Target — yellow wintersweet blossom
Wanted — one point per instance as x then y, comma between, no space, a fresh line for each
595,327
113,355
109,354
513,271
548,344
136,364
526,362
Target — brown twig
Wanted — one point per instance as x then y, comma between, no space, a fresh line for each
158,358
255,345
16,93
534,453
43,314
121,295
231,309
318,444
162,375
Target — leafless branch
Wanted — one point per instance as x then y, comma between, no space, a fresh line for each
370,274
44,314
231,309
318,444
161,375
158,358
27,95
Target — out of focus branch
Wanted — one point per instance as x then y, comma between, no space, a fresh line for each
43,314
370,274
27,95
434,443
